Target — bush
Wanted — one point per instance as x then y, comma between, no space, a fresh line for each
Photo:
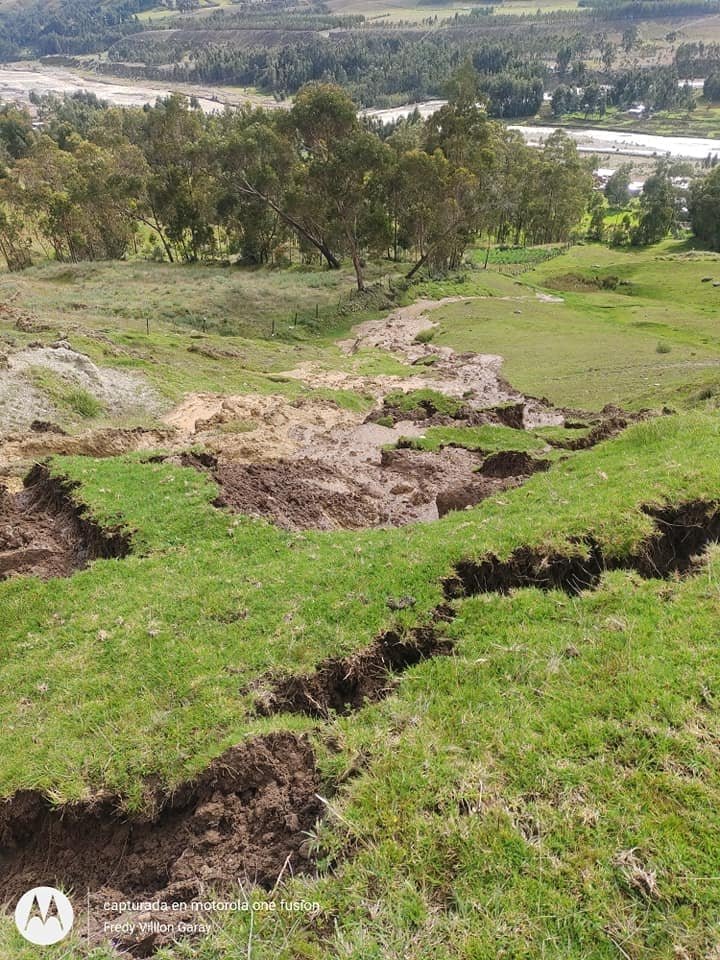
83,403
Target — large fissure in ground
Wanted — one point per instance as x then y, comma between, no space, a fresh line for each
45,533
245,819
344,684
682,534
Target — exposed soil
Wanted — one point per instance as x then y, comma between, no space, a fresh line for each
253,427
242,820
21,402
605,430
15,451
44,532
682,535
345,684
405,486
474,378
308,463
512,463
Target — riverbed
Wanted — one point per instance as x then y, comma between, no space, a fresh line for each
18,81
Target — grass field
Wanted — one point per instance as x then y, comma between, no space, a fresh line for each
547,788
703,121
501,789
599,344
411,10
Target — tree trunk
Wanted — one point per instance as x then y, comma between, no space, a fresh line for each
355,254
302,231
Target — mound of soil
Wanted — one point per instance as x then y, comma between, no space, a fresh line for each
298,494
120,392
244,819
44,533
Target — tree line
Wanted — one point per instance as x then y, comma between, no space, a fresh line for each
94,182
44,27
657,88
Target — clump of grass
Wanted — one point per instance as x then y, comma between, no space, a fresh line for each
83,403
662,347
707,393
423,403
488,438
77,400
425,336
238,426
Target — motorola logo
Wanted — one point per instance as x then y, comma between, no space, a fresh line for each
44,916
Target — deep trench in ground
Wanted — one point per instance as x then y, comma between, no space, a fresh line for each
245,818
45,533
344,684
682,535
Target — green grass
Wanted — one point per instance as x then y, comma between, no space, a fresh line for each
210,327
230,300
425,402
486,807
211,564
498,785
599,345
491,439
76,401
703,121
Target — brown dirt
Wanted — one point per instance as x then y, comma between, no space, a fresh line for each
405,486
682,534
254,427
20,450
243,820
512,464
605,430
44,533
345,684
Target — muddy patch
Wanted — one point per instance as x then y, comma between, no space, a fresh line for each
244,820
45,533
404,486
298,494
345,684
682,535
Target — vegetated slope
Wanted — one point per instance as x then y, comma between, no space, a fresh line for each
529,769
553,778
649,334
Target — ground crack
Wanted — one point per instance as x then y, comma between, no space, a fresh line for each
44,532
682,535
344,684
246,817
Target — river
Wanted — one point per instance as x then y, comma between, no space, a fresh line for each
17,82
